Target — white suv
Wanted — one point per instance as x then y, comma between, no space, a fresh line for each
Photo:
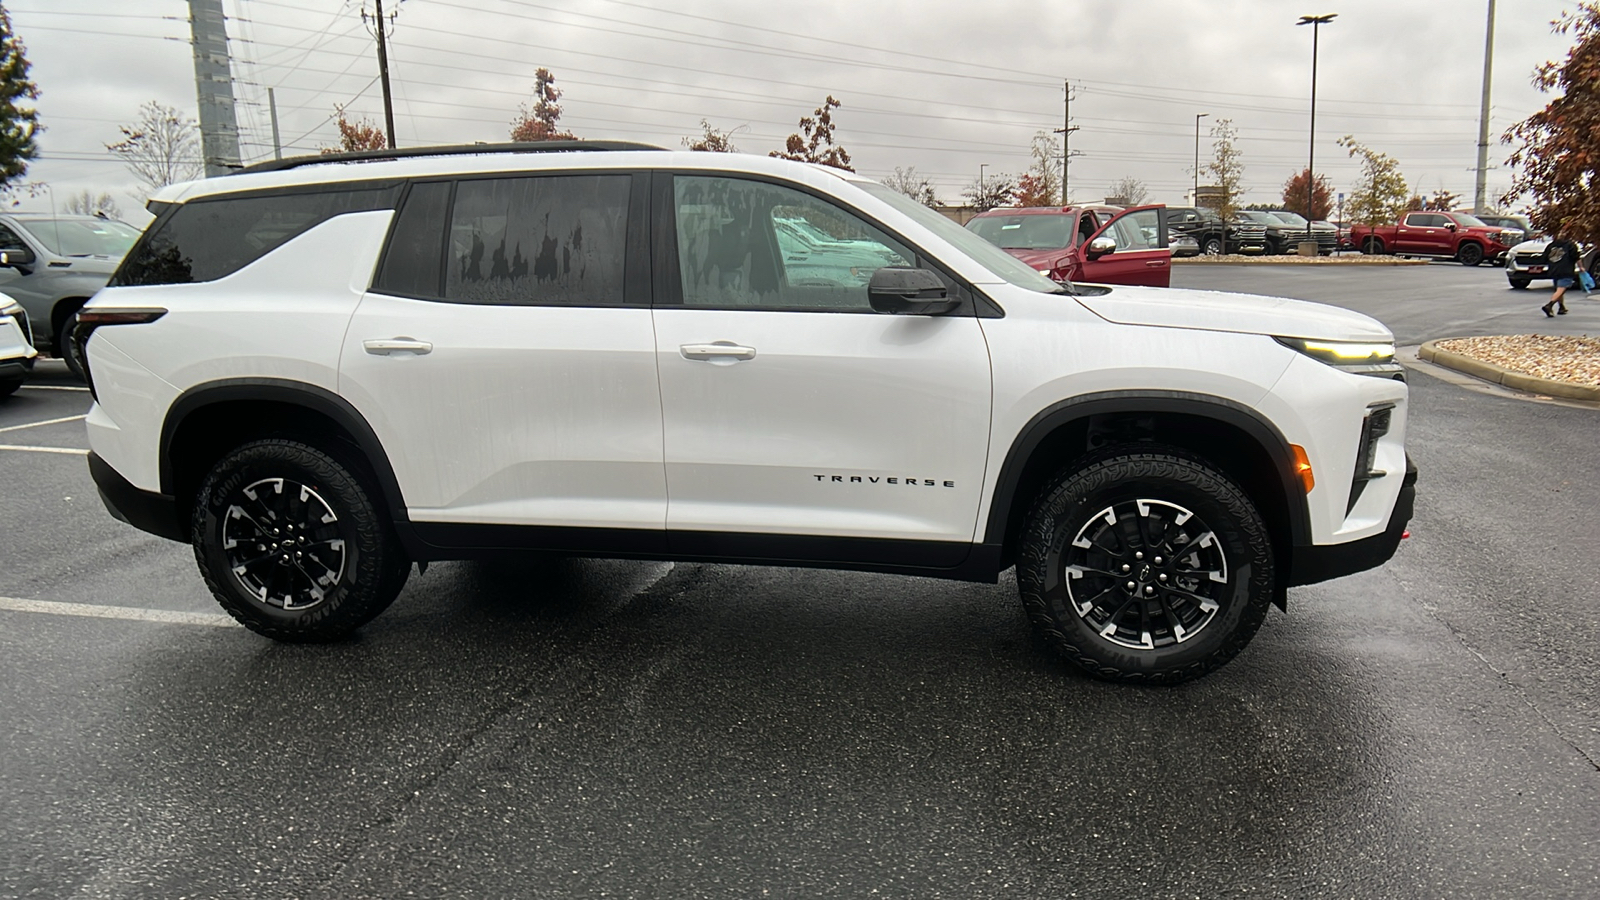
319,371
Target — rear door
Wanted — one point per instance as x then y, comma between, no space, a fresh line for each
505,358
1422,233
1141,256
794,415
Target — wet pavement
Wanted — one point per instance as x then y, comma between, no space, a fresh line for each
1430,729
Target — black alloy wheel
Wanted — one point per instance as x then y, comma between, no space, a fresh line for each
1470,254
291,543
1148,566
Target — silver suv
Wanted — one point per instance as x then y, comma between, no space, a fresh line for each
52,265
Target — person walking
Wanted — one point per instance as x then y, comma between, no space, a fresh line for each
1561,257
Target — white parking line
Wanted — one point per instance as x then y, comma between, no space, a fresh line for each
45,422
164,616
23,448
53,387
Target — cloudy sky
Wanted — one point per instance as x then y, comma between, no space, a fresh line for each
940,86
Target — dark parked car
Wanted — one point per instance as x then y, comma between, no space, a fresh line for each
1214,235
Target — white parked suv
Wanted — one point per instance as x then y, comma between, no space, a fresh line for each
319,371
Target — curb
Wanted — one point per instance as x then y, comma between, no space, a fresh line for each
1503,376
1292,260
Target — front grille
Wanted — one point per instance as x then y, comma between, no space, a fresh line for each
25,325
1530,259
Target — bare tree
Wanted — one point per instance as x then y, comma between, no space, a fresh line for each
162,148
712,141
998,189
1226,168
917,187
1130,190
84,203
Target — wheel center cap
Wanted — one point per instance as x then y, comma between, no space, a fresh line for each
1144,573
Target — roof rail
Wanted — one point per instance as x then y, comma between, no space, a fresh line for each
295,162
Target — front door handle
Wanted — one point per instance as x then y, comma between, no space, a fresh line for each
397,345
716,351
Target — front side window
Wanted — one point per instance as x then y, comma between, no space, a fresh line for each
539,240
748,244
1136,230
213,237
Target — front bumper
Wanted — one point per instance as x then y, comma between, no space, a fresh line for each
144,510
1315,563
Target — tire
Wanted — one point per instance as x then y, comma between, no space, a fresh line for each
1520,284
346,570
1470,254
1212,246
65,349
1223,589
7,388
1372,246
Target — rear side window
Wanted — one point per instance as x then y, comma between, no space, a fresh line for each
413,266
211,238
539,240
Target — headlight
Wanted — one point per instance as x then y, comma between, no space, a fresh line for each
1360,357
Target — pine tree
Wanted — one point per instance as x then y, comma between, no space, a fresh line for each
19,125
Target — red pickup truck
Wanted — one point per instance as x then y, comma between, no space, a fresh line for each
1100,244
1437,235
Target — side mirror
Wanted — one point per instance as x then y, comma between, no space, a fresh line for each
13,259
898,290
1450,225
1100,246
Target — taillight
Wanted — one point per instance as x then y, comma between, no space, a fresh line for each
90,319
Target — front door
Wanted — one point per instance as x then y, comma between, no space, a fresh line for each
510,373
1141,257
792,410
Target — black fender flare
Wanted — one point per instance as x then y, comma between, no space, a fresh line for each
1229,412
293,393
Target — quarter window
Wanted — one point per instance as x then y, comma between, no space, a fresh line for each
539,240
751,245
213,237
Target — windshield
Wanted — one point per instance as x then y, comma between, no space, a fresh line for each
1001,263
82,237
1469,221
1289,217
1031,232
1261,218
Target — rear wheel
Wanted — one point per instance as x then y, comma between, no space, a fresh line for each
1212,246
292,544
1147,566
1470,254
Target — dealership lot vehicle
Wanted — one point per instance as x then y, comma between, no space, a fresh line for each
1526,263
16,346
53,264
1436,235
1104,245
462,375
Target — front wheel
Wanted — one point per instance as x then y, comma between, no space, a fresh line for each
1372,247
1520,284
66,349
1470,254
292,544
1148,566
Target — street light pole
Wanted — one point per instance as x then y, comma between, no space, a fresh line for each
1316,22
1195,199
982,196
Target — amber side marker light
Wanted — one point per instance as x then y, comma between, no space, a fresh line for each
1302,467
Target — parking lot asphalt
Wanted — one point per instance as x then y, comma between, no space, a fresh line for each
617,729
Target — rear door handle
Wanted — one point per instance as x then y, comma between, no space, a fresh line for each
397,345
717,350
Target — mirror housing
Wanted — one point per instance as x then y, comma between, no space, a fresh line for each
1100,246
16,259
1450,225
903,291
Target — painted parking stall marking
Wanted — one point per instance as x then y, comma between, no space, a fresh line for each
128,613
45,422
24,448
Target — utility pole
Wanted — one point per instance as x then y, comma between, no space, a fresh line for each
272,108
1316,23
1195,199
1479,201
213,84
378,26
1066,130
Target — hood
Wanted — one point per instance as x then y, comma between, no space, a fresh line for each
1038,259
87,265
1237,313
1536,246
